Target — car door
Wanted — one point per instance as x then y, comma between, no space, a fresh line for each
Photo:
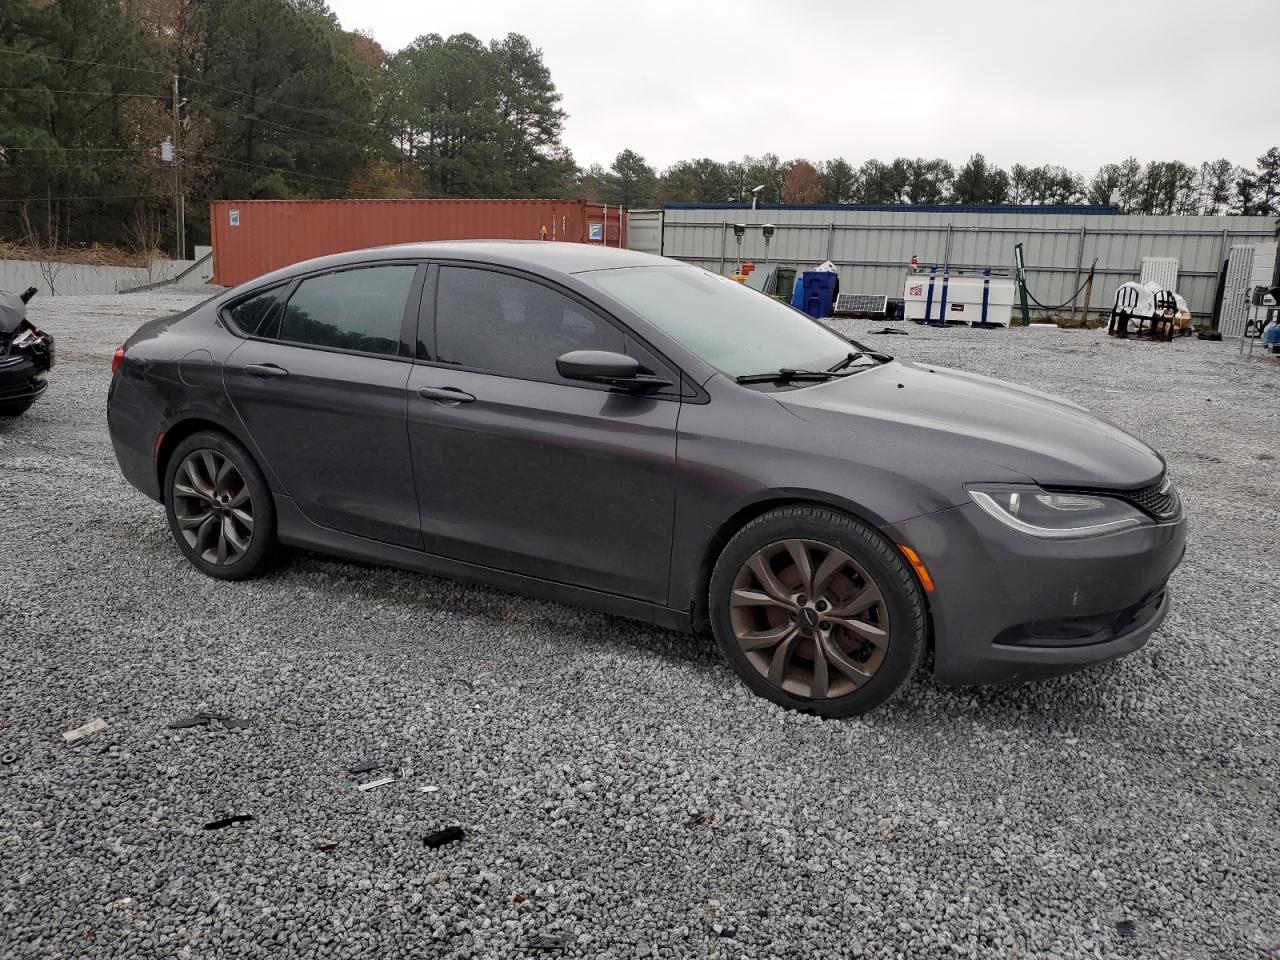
320,385
521,470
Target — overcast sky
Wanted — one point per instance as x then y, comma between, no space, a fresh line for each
1077,84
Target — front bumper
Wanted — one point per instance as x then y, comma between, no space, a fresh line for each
1007,606
20,387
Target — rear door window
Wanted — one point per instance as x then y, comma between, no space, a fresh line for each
499,323
361,309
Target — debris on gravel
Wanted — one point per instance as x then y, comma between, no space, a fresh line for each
88,730
229,821
1130,810
442,837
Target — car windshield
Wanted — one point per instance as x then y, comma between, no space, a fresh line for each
735,329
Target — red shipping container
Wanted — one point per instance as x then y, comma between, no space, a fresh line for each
253,237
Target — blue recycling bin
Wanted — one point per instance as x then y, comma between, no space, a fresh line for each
819,293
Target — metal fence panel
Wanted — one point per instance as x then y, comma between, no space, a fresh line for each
871,248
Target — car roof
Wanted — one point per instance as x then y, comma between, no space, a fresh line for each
538,256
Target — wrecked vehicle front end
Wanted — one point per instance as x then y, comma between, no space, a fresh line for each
26,354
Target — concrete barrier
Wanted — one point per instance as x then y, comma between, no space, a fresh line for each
83,279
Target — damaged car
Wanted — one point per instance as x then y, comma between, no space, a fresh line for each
636,435
26,354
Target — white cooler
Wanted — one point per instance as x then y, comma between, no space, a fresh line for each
959,293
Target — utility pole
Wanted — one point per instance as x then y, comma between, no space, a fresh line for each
179,206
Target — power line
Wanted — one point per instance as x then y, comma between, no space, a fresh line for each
4,149
305,133
86,93
265,166
139,196
257,98
88,63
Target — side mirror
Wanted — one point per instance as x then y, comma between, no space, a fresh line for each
604,366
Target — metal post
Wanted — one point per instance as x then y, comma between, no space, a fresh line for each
1022,283
1088,295
724,243
1075,284
928,299
831,239
986,296
946,255
179,213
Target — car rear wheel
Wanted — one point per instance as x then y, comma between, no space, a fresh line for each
219,507
817,612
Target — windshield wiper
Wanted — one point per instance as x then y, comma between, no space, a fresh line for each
845,361
788,375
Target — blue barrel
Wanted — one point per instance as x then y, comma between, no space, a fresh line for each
819,292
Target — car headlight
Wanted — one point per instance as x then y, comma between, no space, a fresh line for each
1042,513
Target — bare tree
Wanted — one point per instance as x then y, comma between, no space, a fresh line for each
146,232
46,249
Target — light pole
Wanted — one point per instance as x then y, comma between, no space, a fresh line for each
179,201
755,195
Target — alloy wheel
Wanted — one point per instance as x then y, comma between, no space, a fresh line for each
809,618
213,508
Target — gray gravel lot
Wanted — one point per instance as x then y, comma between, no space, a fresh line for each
620,790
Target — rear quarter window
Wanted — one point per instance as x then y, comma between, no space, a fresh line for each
259,315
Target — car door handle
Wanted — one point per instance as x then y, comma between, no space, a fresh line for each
450,396
265,371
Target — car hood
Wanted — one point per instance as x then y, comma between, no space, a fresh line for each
967,417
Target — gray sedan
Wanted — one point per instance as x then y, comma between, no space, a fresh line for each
639,436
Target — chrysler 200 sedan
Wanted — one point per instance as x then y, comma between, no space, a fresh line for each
640,436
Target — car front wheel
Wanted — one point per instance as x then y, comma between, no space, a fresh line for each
817,612
219,507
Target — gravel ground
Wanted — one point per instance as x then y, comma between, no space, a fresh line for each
622,794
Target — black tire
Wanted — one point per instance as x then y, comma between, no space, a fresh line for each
261,544
902,602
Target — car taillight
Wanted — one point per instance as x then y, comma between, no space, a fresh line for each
117,359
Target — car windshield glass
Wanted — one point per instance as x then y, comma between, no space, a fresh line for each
735,329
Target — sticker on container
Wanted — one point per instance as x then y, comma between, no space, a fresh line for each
958,307
916,290
235,218
595,231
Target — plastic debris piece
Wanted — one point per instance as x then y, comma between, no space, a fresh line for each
228,821
326,847
381,781
1126,928
430,788
364,766
550,941
891,330
88,730
441,837
204,719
